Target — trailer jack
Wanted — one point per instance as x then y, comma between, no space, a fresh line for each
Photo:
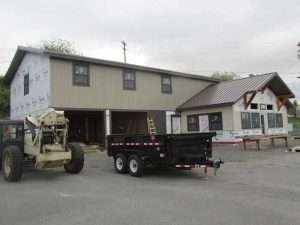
216,165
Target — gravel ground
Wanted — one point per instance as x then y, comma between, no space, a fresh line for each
252,188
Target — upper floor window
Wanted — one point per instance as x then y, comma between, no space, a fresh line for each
269,107
129,80
192,123
166,84
81,74
263,106
254,106
26,84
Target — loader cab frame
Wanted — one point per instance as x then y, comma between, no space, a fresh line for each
11,132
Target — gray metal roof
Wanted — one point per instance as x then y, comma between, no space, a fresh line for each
21,51
228,92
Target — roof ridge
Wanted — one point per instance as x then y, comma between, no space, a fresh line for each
249,77
117,63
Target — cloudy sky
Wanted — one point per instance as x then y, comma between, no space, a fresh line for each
249,36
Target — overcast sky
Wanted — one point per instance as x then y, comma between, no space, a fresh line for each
241,36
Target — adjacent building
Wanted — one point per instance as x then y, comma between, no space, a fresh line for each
98,96
102,97
256,105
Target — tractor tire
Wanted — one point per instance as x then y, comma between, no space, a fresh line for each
12,163
120,163
135,166
77,160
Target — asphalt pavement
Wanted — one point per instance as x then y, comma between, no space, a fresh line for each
252,188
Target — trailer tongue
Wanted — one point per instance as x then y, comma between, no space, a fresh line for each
132,153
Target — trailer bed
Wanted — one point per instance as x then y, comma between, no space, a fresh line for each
167,150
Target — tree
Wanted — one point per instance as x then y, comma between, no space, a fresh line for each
224,75
59,45
295,106
293,109
4,98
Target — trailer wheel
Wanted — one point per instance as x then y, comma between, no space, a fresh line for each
120,162
12,163
135,166
77,160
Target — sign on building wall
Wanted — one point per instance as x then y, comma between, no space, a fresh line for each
203,123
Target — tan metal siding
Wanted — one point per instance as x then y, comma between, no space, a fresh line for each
106,89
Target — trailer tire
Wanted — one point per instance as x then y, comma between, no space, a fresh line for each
120,163
77,160
12,163
135,166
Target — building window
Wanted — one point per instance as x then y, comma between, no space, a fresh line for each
275,120
129,80
263,107
215,121
193,123
255,120
26,84
246,120
279,120
271,120
254,106
269,107
250,120
81,74
166,84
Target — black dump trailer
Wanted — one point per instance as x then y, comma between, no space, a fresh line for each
133,153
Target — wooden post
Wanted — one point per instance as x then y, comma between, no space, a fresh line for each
272,142
244,143
258,145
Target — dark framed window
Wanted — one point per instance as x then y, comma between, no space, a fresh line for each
246,120
254,106
193,123
215,121
255,120
81,74
26,84
271,120
275,120
269,107
166,84
129,80
263,107
279,120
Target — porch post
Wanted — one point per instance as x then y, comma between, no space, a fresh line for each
107,122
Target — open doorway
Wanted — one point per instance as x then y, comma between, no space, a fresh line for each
129,123
86,126
262,122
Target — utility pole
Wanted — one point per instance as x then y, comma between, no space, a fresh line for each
124,50
298,52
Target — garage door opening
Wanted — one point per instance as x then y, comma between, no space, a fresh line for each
136,122
85,126
129,122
